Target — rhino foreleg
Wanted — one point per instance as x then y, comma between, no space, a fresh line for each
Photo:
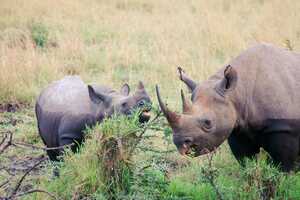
283,148
242,147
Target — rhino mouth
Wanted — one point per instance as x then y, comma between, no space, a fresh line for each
145,115
193,150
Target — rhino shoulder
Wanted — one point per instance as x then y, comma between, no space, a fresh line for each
102,89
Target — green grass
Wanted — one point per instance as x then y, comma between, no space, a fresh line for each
154,171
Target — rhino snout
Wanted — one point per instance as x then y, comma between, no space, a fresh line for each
192,146
144,117
183,144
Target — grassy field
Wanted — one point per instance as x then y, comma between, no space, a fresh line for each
117,41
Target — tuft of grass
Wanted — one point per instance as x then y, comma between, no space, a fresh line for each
288,187
39,34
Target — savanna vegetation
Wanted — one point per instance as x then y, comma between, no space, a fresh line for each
112,42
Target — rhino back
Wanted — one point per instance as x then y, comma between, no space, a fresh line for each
69,94
268,84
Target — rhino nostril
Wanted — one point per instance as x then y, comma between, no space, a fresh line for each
188,141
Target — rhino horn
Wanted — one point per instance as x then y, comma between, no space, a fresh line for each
171,116
186,104
188,81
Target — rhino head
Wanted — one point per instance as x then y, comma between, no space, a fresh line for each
122,102
206,121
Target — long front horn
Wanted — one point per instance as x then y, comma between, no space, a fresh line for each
186,105
171,116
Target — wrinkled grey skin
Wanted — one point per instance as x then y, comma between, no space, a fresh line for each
254,102
67,106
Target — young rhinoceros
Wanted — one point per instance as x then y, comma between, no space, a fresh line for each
253,102
66,106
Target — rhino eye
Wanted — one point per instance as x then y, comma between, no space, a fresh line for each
141,103
124,104
206,124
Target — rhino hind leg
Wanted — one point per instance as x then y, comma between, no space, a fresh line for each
74,140
283,149
56,155
53,155
242,147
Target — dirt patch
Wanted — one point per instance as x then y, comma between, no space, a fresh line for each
21,175
17,165
14,167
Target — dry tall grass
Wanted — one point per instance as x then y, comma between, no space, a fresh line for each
129,40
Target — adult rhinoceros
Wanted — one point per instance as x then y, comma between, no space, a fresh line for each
67,106
254,102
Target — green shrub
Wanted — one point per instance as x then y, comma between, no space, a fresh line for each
39,34
104,165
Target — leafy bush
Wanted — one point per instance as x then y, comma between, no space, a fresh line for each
104,165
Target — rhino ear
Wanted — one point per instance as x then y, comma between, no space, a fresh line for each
229,81
98,97
125,89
